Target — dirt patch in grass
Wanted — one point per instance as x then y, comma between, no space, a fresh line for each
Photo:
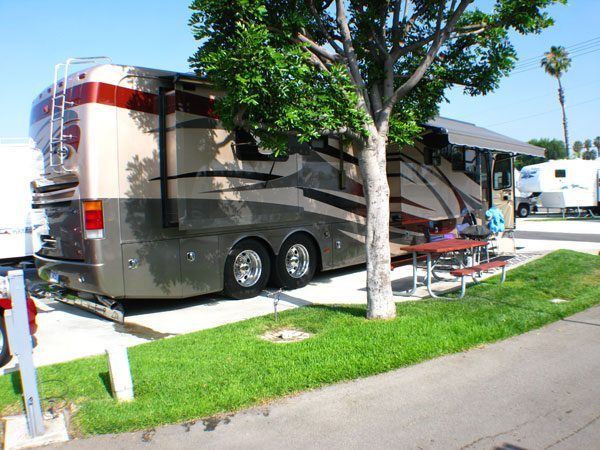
285,336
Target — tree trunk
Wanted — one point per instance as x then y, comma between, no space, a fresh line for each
561,99
380,302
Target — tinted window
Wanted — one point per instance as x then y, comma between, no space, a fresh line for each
247,149
472,165
502,173
432,156
458,159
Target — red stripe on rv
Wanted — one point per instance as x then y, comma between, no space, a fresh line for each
122,97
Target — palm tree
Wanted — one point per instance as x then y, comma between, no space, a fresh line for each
555,63
588,146
577,147
597,145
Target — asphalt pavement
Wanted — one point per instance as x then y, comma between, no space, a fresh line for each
554,236
538,390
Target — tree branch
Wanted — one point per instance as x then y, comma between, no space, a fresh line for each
350,54
380,43
323,28
408,24
396,18
401,51
376,100
343,131
319,50
440,37
469,30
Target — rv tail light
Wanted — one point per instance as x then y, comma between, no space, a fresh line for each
93,219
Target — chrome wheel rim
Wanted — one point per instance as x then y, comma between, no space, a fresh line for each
297,261
247,268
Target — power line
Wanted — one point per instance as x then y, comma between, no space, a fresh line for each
571,49
572,54
571,88
542,113
523,70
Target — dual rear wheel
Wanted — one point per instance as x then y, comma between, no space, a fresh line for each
248,266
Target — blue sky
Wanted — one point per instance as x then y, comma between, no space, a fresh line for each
36,34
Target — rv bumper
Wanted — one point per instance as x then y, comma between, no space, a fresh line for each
80,276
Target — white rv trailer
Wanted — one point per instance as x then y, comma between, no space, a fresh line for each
564,183
19,164
147,195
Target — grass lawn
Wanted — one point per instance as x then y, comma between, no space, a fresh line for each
230,367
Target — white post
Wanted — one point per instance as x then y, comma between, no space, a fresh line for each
120,374
19,337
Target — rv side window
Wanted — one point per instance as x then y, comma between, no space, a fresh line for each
458,159
502,173
472,165
247,149
560,173
432,156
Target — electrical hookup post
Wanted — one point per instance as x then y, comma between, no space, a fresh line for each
19,338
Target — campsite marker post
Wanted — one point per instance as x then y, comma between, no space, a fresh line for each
19,337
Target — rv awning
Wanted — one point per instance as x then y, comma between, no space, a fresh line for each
468,135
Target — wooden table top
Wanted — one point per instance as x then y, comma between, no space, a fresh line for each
447,245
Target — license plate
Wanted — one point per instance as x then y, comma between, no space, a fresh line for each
54,277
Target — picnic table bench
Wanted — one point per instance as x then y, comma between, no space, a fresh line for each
449,246
473,271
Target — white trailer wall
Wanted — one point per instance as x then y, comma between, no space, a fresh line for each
20,163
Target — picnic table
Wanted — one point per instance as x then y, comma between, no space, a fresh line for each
438,249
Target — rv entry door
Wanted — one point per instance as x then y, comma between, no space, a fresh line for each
502,187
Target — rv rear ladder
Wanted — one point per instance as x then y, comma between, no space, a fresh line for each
58,150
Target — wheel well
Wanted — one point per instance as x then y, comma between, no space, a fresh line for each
314,241
263,241
526,205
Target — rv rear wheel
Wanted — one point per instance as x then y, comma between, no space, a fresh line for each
296,262
4,350
246,269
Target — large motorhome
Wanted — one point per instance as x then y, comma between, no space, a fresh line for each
564,184
147,195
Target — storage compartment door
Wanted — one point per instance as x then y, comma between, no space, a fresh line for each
151,269
201,265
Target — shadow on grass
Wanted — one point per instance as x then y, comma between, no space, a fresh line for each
105,379
15,381
356,311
